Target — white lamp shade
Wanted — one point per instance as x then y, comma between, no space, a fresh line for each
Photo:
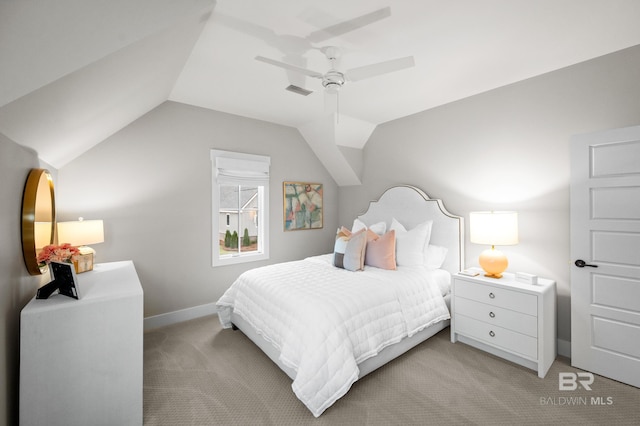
81,232
494,228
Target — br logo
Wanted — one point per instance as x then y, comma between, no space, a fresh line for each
568,381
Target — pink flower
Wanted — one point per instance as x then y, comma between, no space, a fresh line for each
62,253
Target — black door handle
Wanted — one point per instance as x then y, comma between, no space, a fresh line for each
581,264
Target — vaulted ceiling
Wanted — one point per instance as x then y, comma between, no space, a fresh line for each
74,72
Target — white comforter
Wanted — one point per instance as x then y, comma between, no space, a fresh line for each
325,320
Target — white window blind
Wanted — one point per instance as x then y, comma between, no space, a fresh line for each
242,171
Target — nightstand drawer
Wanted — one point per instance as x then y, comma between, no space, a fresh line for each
505,318
497,336
496,296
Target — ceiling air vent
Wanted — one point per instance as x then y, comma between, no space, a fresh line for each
298,90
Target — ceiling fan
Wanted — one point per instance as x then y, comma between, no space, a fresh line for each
333,79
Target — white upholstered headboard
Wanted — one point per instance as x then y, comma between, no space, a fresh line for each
411,207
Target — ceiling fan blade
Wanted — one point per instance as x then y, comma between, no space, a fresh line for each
290,67
380,68
287,44
348,26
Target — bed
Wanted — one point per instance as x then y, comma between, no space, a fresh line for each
326,326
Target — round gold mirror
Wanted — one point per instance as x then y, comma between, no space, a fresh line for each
38,217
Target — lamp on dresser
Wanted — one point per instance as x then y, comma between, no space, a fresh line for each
495,228
80,234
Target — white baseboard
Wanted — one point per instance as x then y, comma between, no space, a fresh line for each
175,317
564,348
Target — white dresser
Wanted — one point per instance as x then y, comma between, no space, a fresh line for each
81,360
509,319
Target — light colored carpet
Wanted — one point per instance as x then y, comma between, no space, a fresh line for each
196,373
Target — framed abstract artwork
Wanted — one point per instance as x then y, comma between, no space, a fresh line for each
302,205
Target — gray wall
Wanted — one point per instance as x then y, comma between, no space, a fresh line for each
151,184
16,285
507,149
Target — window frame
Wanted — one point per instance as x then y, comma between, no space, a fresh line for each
246,162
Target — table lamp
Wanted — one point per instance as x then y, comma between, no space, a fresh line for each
80,234
496,228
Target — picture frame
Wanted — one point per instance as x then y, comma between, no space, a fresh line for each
64,280
302,206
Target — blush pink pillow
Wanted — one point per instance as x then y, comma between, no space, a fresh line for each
381,250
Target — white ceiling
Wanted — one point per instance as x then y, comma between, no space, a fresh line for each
461,48
78,72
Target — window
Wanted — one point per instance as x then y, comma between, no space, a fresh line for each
240,198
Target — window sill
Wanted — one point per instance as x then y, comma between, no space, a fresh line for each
241,258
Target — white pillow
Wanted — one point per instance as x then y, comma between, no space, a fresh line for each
379,228
434,256
358,225
411,245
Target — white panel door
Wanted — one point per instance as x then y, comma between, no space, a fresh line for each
605,248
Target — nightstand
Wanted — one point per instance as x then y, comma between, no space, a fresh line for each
506,318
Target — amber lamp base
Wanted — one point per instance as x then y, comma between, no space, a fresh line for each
494,262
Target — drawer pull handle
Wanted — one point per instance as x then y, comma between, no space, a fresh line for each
492,296
492,315
492,334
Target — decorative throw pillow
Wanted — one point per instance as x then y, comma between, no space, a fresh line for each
411,245
379,228
381,250
343,231
358,225
349,250
435,256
